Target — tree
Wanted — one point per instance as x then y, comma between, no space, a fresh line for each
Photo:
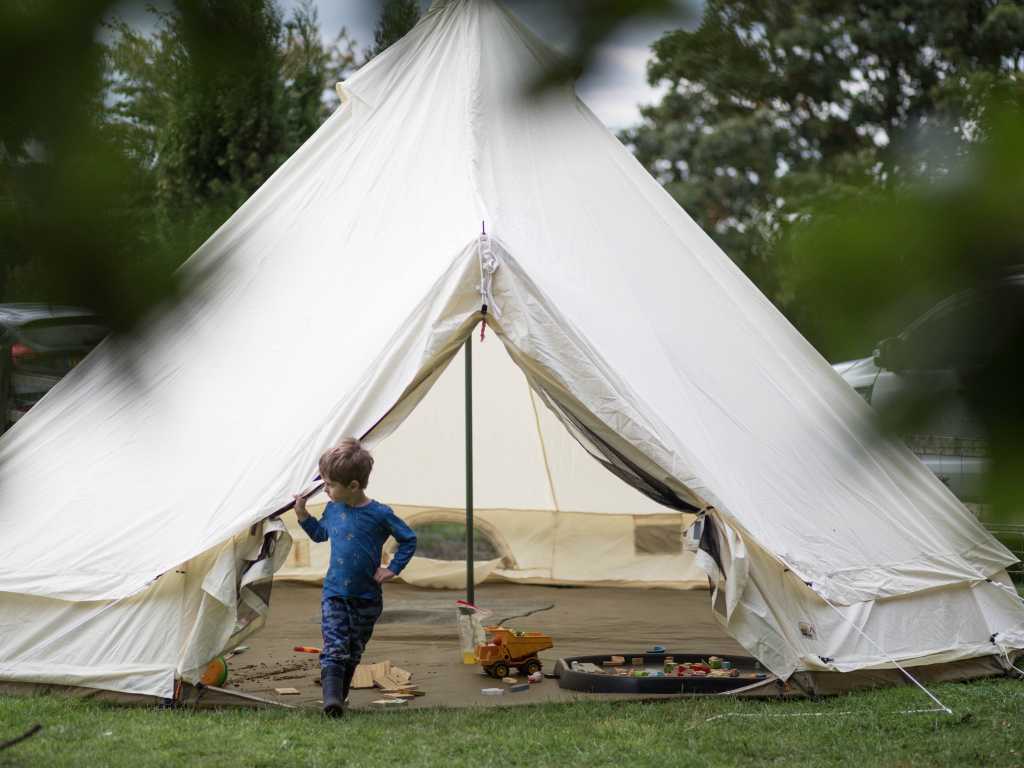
215,100
66,231
311,70
397,17
115,170
876,259
773,103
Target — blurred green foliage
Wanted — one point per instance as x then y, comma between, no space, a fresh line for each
213,102
865,265
774,105
595,22
67,192
121,152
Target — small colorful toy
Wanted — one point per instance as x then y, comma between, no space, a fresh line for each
216,672
507,648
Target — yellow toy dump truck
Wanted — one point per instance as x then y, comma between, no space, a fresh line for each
506,648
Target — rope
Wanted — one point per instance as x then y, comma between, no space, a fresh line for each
895,663
815,714
27,734
524,615
488,266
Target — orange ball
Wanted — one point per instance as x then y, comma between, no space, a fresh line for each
216,672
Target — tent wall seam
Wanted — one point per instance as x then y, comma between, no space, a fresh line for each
543,451
547,472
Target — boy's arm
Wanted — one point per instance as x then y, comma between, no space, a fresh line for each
406,538
309,524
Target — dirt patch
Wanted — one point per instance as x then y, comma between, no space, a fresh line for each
418,632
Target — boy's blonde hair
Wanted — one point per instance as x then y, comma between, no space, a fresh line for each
346,462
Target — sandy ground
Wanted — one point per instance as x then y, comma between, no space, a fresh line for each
418,632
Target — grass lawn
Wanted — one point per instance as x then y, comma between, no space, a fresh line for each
863,729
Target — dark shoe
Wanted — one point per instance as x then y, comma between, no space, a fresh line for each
349,674
333,682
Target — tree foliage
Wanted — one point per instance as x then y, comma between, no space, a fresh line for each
591,24
773,103
874,260
121,152
216,100
397,17
68,233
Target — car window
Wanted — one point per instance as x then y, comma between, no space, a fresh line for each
940,340
63,334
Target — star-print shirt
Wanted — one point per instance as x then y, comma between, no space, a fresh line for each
357,537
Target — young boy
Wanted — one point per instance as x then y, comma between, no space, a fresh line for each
357,526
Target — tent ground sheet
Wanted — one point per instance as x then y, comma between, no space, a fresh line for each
418,632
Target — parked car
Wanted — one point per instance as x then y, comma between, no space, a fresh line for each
952,444
39,344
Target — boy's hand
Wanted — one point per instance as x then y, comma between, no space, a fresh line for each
383,574
300,507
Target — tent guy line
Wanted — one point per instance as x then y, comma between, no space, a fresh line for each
910,677
845,713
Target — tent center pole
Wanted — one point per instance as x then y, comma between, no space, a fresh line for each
469,470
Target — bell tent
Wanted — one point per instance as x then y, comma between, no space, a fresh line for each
137,513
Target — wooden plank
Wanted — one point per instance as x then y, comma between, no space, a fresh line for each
380,672
363,677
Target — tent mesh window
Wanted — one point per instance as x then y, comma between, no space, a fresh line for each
658,535
447,541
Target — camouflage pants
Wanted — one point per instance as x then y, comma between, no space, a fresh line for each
347,625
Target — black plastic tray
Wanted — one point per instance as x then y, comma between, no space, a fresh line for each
589,682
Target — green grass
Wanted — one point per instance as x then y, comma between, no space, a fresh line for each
863,729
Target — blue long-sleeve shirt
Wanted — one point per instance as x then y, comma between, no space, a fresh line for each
357,536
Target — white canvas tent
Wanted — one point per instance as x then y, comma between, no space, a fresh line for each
134,513
552,513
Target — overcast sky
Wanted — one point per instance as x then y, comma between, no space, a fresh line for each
614,89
